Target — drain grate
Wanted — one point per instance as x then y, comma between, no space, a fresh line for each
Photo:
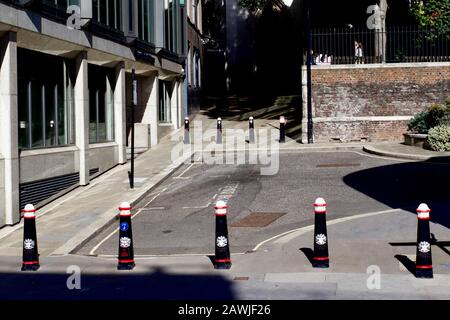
258,219
338,165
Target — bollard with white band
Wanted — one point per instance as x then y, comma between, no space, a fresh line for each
282,129
424,264
251,130
222,259
30,261
219,131
187,138
126,252
320,258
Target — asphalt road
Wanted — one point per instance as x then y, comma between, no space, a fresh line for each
371,224
178,217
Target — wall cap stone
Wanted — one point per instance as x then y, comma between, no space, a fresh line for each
379,66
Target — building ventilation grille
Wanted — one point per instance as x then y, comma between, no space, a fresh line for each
38,191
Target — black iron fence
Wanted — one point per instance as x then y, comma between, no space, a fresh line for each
396,44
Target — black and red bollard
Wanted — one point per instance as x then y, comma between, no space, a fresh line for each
30,261
222,259
282,129
424,265
251,130
320,257
126,252
187,138
219,131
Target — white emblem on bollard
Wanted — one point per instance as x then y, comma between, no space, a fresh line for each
125,242
28,244
424,247
222,242
321,239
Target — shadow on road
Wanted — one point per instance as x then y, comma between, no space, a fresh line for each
309,253
407,263
156,285
406,185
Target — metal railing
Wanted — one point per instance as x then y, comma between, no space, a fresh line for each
395,44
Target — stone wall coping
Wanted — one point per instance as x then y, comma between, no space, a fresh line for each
379,66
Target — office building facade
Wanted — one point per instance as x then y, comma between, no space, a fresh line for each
65,90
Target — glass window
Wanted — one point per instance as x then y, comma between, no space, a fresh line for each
45,100
146,21
174,26
101,104
165,95
108,13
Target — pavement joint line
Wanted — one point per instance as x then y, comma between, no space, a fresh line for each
309,228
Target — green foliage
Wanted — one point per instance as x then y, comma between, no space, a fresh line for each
439,138
418,124
435,115
432,15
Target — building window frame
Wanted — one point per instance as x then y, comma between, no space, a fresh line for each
101,104
165,92
45,101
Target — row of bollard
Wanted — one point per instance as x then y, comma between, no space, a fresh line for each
222,258
251,130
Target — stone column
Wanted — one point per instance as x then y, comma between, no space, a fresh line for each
9,146
175,104
150,97
120,106
81,93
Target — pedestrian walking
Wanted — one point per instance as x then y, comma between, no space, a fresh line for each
359,54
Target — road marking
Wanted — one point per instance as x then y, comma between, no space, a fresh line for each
92,252
175,255
202,207
153,208
289,235
228,191
186,170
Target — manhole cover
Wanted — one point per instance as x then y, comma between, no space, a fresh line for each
338,165
258,219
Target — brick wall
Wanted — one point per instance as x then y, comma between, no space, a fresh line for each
373,102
